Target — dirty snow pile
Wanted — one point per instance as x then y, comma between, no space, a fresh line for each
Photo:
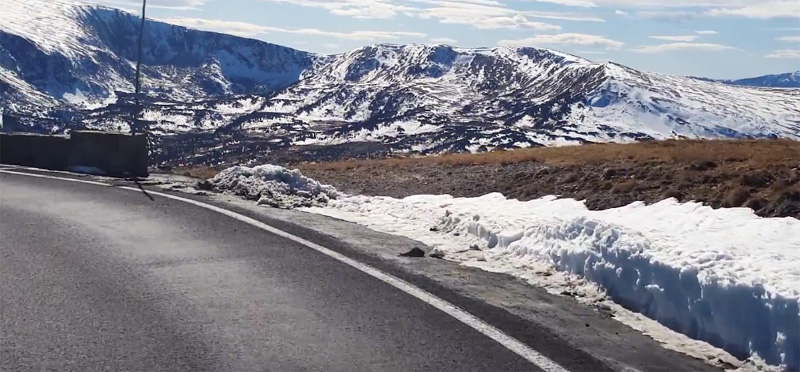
274,186
727,276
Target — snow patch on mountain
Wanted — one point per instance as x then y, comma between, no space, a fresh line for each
61,47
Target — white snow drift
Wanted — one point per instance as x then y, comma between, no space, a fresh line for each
723,276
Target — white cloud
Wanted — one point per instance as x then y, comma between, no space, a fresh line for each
674,47
667,15
354,8
791,39
226,27
785,54
483,14
480,16
684,38
578,17
251,30
706,32
444,40
671,10
136,5
580,3
778,28
764,9
621,13
565,39
742,8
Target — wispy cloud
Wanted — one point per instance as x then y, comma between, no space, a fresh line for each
791,39
667,15
251,30
674,47
136,5
684,38
706,32
778,28
565,39
482,14
580,3
785,54
764,9
444,40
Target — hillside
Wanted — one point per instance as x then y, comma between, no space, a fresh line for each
62,53
762,175
411,98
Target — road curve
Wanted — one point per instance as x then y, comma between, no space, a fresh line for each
97,278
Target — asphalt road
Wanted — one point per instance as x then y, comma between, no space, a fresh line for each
102,279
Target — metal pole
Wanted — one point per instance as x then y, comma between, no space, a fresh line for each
137,109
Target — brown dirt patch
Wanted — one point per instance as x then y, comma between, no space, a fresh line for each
761,174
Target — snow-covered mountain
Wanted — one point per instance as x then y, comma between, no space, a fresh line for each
58,52
788,80
436,95
63,65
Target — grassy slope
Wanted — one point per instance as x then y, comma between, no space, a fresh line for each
763,175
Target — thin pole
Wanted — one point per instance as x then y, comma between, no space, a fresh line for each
137,101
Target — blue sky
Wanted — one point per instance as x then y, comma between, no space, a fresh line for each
711,38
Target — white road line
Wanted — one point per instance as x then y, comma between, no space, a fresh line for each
470,320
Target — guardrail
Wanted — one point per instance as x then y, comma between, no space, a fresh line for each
111,154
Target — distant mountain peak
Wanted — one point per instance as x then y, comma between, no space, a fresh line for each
787,80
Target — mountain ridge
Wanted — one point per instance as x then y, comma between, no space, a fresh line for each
417,97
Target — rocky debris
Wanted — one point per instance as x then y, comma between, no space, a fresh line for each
702,165
205,185
437,253
416,252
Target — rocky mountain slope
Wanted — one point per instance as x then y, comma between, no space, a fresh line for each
64,65
57,52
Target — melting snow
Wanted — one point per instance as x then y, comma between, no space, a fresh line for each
274,186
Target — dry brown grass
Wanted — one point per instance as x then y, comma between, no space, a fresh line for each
198,171
672,151
762,174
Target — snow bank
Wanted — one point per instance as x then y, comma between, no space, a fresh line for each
725,276
274,186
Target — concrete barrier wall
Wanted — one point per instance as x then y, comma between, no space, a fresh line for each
115,154
33,150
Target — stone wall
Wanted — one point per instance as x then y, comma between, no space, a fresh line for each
112,154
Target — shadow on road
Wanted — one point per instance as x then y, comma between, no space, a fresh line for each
141,188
